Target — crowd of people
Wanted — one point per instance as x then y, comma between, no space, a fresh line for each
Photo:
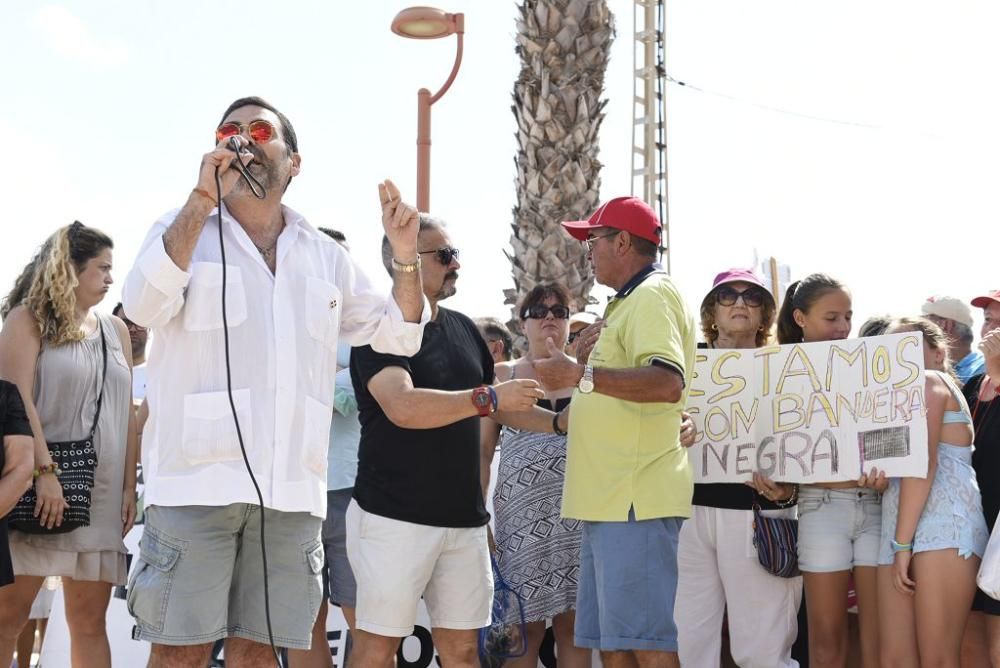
305,439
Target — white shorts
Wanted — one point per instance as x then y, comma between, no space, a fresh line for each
396,562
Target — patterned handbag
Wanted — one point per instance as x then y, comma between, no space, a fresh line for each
77,460
776,540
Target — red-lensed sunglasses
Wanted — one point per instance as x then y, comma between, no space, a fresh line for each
260,131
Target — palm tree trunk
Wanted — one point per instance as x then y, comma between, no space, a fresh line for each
564,46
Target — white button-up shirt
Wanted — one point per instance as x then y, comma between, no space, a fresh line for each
283,333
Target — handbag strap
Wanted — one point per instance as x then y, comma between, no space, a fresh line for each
104,377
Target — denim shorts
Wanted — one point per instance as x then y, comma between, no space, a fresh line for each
627,586
838,528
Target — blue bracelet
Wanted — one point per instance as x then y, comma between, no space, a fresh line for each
901,547
493,398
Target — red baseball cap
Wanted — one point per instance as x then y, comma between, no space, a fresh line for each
622,213
979,302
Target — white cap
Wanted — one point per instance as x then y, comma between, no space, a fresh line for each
585,317
947,307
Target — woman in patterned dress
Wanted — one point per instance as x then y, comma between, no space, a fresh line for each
537,551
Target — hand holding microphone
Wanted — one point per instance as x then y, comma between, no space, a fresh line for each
229,159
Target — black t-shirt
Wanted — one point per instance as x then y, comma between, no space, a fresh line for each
13,422
424,476
986,456
729,495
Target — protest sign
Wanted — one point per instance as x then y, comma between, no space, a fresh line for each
810,412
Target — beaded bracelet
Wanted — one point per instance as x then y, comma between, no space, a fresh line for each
52,468
790,500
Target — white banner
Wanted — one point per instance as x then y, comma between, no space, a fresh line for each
810,412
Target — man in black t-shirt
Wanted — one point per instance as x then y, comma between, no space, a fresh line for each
417,524
16,463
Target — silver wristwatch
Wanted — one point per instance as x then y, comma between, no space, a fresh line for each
586,384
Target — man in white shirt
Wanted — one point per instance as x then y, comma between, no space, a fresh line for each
291,293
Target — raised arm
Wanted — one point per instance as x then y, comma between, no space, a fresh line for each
400,221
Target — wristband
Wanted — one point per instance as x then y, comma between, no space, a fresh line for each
555,425
901,547
204,193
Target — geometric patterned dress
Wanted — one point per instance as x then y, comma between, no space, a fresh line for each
538,552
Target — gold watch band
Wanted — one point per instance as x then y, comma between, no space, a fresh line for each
405,268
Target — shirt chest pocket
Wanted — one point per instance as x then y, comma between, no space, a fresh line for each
203,302
608,349
322,311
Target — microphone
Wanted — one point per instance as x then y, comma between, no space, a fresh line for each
255,187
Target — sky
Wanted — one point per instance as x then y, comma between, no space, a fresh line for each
851,137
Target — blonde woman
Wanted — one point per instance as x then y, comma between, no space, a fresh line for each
51,348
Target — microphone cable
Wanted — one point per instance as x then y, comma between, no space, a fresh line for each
258,191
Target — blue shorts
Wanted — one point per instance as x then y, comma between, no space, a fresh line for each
839,529
628,582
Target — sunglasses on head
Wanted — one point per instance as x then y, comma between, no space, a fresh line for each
260,131
727,296
541,311
444,255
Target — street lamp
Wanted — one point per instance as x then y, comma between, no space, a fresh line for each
428,23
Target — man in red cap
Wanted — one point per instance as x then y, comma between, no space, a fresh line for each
627,475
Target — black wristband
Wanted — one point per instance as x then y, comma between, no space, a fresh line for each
555,425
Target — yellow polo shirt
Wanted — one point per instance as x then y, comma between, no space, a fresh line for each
620,453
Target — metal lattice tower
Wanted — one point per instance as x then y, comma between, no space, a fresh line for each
649,103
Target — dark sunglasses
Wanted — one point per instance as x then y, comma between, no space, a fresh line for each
572,336
541,311
260,131
444,254
751,296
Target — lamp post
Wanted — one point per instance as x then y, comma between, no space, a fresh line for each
428,23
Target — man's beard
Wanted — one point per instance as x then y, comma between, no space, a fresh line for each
267,172
447,286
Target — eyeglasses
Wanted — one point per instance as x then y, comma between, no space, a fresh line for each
541,311
752,297
590,240
260,131
445,254
572,336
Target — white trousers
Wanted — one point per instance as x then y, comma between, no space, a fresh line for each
718,569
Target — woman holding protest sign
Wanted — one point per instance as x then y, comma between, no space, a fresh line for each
839,523
933,530
716,570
